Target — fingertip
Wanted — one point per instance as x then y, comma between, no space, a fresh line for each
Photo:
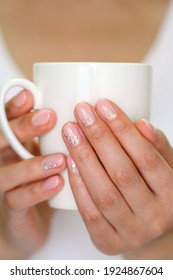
23,100
53,183
146,129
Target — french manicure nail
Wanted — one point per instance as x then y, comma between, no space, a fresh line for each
85,114
106,109
51,183
52,161
41,117
20,99
72,135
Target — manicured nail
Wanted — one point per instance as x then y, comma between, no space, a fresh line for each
41,117
106,109
150,126
52,161
20,99
71,165
71,134
85,114
51,183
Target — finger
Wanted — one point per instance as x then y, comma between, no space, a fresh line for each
22,198
103,235
101,188
152,166
157,138
8,156
30,125
27,171
115,160
19,104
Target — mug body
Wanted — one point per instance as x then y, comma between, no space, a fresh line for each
63,85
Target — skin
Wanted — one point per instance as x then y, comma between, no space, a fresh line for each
127,202
24,220
24,229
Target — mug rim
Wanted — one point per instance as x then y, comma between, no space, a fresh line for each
139,64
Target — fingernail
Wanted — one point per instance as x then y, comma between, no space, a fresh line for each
106,109
41,118
150,126
71,165
20,99
72,135
52,161
85,114
51,183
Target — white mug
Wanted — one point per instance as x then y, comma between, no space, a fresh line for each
60,86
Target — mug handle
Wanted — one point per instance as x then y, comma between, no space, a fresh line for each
4,124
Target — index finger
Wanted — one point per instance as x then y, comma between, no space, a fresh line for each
19,104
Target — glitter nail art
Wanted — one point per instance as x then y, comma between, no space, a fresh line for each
71,165
49,165
73,140
74,168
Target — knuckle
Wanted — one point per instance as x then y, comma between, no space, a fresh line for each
149,160
82,155
125,176
157,223
107,200
107,247
11,202
159,228
92,217
122,126
98,133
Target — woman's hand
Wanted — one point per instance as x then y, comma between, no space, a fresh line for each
121,176
26,185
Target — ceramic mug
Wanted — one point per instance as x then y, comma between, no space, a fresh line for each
60,86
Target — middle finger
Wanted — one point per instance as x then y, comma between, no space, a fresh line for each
117,163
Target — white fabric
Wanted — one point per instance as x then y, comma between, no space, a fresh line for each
68,237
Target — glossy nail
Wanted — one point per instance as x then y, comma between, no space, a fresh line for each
20,99
41,118
51,183
71,165
85,114
72,135
52,161
106,109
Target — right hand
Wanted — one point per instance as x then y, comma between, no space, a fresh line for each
26,185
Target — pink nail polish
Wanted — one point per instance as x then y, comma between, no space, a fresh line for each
20,99
71,134
51,183
106,109
52,161
85,114
71,165
41,118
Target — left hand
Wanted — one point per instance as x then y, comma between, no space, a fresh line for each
123,182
